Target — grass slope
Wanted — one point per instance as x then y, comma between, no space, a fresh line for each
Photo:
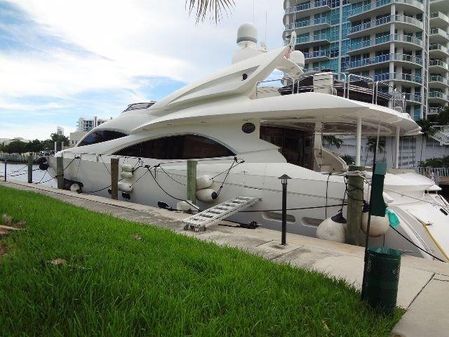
125,279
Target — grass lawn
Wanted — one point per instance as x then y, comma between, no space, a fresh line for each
122,279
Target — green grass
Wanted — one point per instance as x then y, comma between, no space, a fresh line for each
161,285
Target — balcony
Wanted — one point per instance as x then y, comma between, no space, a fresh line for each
437,97
379,43
319,55
378,25
413,97
439,20
440,5
313,40
435,110
399,77
309,25
309,8
438,66
438,50
438,81
437,35
382,7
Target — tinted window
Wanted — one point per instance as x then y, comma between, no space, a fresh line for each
100,136
177,147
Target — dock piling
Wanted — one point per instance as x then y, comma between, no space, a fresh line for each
60,172
354,234
114,178
30,168
191,180
6,164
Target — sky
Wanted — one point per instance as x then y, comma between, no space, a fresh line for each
65,59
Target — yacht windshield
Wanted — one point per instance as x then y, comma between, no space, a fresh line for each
139,106
100,136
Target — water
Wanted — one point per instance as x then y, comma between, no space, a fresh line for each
19,172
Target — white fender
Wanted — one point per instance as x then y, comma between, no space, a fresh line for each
75,188
184,206
125,187
206,195
331,230
204,182
126,174
379,225
127,168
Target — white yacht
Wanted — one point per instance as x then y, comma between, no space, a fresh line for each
245,129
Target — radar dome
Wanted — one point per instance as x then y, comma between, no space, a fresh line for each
247,33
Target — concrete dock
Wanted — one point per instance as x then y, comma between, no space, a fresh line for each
423,284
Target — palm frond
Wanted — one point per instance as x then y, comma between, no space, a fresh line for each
213,9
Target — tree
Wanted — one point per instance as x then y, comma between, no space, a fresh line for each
427,130
59,138
213,9
332,140
34,146
443,116
371,146
16,146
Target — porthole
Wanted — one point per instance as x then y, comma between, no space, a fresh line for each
248,128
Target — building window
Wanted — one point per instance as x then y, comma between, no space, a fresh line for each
177,147
100,136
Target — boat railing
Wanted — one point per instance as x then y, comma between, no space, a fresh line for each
434,173
349,86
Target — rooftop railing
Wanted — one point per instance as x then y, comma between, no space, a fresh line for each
350,86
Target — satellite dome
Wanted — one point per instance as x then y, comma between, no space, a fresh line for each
247,33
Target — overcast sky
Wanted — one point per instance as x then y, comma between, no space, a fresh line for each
65,59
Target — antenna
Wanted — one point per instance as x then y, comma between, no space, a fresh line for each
253,12
266,24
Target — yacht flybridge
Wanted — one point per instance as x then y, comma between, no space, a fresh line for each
245,129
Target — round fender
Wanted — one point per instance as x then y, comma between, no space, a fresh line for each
207,195
127,168
125,187
379,225
126,174
204,182
331,230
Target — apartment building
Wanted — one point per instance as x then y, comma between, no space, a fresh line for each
402,44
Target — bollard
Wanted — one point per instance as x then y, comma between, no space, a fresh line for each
354,235
6,164
60,172
191,180
284,179
114,178
30,169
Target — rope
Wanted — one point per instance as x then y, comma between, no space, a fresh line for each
168,175
421,249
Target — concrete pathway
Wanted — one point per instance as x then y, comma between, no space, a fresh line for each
423,284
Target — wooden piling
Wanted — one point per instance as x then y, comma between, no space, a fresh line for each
6,165
30,168
60,172
191,180
354,234
114,178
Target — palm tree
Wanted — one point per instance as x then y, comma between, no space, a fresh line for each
213,9
427,130
371,146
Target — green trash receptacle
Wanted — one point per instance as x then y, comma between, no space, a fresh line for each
382,278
